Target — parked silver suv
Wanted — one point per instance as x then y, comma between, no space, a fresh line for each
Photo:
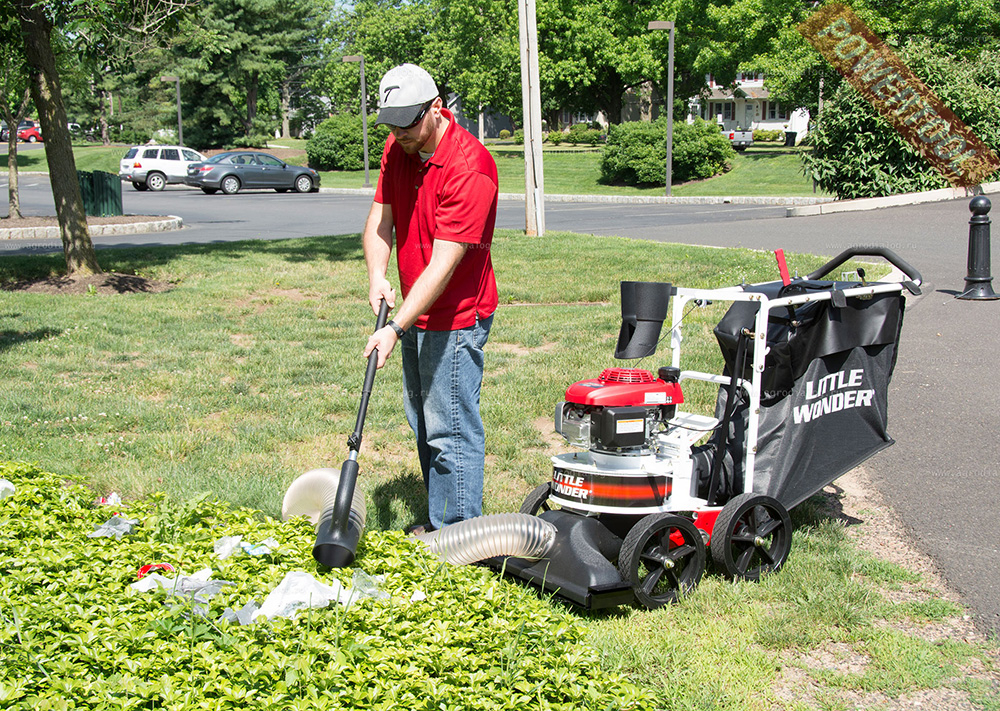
152,167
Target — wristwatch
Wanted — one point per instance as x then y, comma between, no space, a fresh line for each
400,331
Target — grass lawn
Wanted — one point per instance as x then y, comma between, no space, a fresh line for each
247,373
763,170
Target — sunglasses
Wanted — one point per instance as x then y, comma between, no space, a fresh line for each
420,116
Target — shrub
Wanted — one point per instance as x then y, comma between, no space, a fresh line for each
584,134
556,137
338,144
504,134
519,136
858,154
762,135
636,153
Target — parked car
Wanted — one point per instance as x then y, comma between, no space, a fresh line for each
29,134
27,130
233,171
154,167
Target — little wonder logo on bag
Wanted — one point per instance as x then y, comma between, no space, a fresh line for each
833,393
899,96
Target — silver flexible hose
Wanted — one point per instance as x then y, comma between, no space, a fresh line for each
314,492
485,537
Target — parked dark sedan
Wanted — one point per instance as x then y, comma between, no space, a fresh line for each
233,171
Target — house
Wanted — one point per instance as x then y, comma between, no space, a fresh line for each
747,105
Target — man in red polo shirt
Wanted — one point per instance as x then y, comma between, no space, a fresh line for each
437,190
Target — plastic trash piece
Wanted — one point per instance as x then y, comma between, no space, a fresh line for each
268,545
112,499
152,568
226,546
299,590
364,585
115,527
244,616
6,489
199,587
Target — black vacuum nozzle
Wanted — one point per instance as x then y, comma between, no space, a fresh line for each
340,527
644,307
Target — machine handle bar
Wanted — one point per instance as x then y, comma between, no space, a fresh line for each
883,252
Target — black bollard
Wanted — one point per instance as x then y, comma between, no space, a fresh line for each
977,283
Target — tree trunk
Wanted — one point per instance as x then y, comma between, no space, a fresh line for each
252,102
13,192
286,109
45,90
13,119
105,102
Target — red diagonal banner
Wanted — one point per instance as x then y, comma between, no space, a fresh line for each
899,96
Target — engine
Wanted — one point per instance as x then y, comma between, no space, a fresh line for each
620,411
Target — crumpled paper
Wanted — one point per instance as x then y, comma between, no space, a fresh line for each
114,527
199,587
6,489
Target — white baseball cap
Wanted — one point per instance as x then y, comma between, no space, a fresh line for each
402,94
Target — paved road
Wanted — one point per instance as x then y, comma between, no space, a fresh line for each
940,475
269,215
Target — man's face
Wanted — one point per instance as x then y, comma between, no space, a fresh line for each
413,138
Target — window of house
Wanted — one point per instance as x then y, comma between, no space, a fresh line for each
775,111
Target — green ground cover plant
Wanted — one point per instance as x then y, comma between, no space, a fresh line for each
247,373
74,634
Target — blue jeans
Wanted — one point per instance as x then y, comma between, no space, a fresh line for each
442,375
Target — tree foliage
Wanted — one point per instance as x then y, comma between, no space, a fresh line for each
858,154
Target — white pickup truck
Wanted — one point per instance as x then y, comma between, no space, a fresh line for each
740,140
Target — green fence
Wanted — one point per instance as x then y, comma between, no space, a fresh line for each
102,193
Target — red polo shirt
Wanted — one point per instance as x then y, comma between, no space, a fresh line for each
453,196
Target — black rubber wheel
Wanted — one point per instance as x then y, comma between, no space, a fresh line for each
210,191
662,558
156,181
230,185
303,184
751,537
538,500
139,186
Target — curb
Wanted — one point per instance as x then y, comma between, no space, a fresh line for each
169,222
633,199
893,200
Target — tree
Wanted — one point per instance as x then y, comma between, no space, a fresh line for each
233,57
131,20
858,154
15,97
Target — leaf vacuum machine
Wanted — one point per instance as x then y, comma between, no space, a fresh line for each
651,491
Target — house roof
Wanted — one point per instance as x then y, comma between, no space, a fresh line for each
749,92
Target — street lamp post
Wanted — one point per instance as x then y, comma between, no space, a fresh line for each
364,108
180,128
668,25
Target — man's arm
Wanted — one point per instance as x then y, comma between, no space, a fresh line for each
445,258
377,244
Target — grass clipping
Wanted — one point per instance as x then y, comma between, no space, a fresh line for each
74,635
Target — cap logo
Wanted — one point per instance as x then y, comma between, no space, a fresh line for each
388,90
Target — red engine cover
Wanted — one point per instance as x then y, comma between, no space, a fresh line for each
618,387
